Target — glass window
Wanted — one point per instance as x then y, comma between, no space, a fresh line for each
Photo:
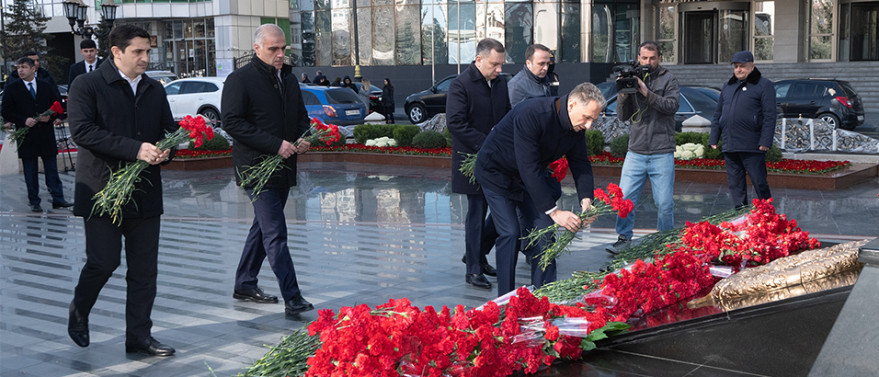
546,24
434,36
462,33
341,36
601,33
517,30
408,42
383,33
444,85
309,99
764,30
342,96
494,21
684,106
781,89
172,89
733,33
323,38
307,19
666,32
569,46
821,30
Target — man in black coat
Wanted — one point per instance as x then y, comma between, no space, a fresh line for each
89,62
477,100
41,74
511,168
24,100
117,115
264,112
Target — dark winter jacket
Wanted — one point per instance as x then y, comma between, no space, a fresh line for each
652,118
519,149
18,105
745,116
260,114
472,109
388,96
109,123
526,85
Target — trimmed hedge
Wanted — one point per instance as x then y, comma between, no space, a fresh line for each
218,143
403,134
428,140
619,146
594,142
364,132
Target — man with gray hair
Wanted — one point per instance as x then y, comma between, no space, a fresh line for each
264,112
531,81
477,100
511,165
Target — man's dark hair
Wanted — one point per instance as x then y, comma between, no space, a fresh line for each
650,46
87,43
31,53
122,35
529,52
25,60
487,45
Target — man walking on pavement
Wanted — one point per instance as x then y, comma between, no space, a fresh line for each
745,119
477,100
650,112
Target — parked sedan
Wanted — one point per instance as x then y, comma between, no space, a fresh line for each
334,105
694,100
833,101
197,95
427,103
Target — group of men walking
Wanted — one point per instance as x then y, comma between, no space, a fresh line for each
516,129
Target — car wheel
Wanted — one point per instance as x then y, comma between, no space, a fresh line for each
416,113
211,114
830,119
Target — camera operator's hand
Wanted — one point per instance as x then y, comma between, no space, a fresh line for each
642,87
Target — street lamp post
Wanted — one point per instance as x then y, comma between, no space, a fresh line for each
75,10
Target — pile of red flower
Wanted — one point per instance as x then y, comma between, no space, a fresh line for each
398,339
682,271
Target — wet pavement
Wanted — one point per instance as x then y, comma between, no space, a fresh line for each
359,233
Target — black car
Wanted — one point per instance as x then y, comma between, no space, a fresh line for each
375,97
693,100
833,101
427,103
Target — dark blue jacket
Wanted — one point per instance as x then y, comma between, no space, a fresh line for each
109,123
745,116
18,105
472,109
519,149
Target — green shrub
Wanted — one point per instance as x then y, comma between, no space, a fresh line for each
682,138
714,154
218,143
403,134
428,140
364,132
619,146
361,133
448,135
773,154
595,141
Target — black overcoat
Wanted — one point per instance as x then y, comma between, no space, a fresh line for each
260,115
109,123
519,149
77,69
472,109
18,105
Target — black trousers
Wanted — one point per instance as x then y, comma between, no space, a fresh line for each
103,249
752,163
479,233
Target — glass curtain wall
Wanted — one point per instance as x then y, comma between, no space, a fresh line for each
859,31
821,29
518,17
665,32
434,32
462,32
764,30
615,32
188,47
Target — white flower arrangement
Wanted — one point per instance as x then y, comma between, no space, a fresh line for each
381,142
689,151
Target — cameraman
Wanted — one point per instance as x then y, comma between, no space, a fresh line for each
651,141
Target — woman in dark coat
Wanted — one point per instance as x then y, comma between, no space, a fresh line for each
388,101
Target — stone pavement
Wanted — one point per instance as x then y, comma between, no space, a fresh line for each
358,234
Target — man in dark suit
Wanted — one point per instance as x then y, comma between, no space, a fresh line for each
477,100
41,73
511,165
264,112
89,62
117,115
24,100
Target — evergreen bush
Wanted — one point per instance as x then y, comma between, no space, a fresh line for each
403,134
595,142
619,146
429,140
218,143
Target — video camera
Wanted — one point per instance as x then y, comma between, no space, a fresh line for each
627,82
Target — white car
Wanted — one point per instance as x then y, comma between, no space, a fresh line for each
196,95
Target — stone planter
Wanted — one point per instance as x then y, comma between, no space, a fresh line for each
199,163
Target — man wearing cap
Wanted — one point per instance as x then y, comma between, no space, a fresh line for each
745,124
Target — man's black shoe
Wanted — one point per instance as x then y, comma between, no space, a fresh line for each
488,270
478,280
255,295
62,204
149,346
78,327
297,305
36,208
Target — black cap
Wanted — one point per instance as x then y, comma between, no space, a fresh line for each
743,57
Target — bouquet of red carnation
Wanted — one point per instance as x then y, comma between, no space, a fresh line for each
19,134
611,201
117,192
259,174
559,168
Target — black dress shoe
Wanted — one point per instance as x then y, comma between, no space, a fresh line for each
36,208
149,346
478,280
255,295
62,204
487,269
78,327
297,305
